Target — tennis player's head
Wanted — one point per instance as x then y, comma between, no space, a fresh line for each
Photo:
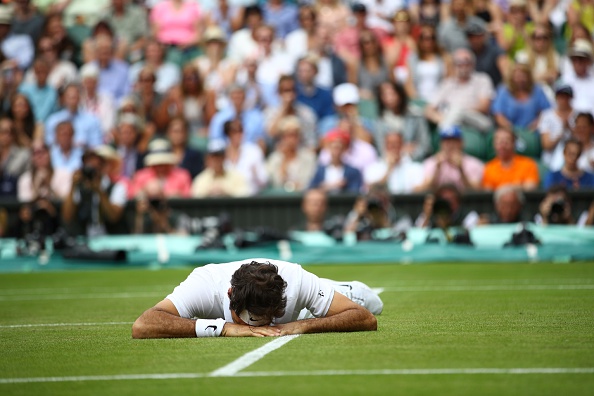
257,294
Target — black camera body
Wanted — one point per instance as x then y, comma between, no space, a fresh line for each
557,211
89,173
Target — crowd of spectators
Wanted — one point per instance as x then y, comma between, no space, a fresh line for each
107,101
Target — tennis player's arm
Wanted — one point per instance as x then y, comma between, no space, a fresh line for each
343,315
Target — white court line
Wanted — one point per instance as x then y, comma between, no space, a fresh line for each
17,326
403,372
91,296
251,357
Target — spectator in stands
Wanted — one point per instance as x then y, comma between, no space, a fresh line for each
332,69
371,69
273,61
155,216
427,67
61,71
99,103
178,24
42,96
289,106
152,107
490,58
87,127
519,102
281,15
395,169
309,93
14,160
314,206
187,158
450,33
508,167
290,165
64,153
228,17
346,40
217,181
16,50
127,138
400,46
255,92
465,98
129,23
346,100
25,128
167,73
371,212
509,203
242,43
217,70
513,35
332,15
450,165
244,157
89,45
541,57
42,180
66,48
449,196
27,20
161,173
251,119
570,176
300,42
583,131
581,12
94,205
555,126
582,80
113,73
337,176
555,208
396,115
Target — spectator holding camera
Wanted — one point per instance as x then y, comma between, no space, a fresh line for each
446,204
153,214
570,176
450,165
95,205
555,208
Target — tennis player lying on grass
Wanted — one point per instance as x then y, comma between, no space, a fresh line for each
259,298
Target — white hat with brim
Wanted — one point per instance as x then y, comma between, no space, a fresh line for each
107,152
345,93
160,159
581,49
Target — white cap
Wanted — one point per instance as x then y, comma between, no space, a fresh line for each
345,93
89,70
581,48
216,146
160,153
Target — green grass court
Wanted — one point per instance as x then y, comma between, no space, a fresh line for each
447,329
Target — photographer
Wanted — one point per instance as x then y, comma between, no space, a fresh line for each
373,212
555,208
154,216
458,217
95,204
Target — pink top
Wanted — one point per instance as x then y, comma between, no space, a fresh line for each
473,169
175,26
177,184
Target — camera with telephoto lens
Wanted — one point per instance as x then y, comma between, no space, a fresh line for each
557,211
89,173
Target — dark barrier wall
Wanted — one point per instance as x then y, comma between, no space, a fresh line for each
284,212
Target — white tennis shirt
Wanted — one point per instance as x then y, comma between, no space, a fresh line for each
204,292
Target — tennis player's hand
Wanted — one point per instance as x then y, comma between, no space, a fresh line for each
238,330
296,327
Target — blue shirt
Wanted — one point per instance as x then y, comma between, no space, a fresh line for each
520,113
284,19
72,162
320,101
585,181
87,128
114,79
252,120
44,100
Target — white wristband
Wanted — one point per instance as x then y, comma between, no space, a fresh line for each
209,327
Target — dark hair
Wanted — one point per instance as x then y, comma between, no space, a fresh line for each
448,187
574,141
588,116
402,106
228,124
251,10
28,122
258,288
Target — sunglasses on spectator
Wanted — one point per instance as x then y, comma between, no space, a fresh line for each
540,37
427,37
